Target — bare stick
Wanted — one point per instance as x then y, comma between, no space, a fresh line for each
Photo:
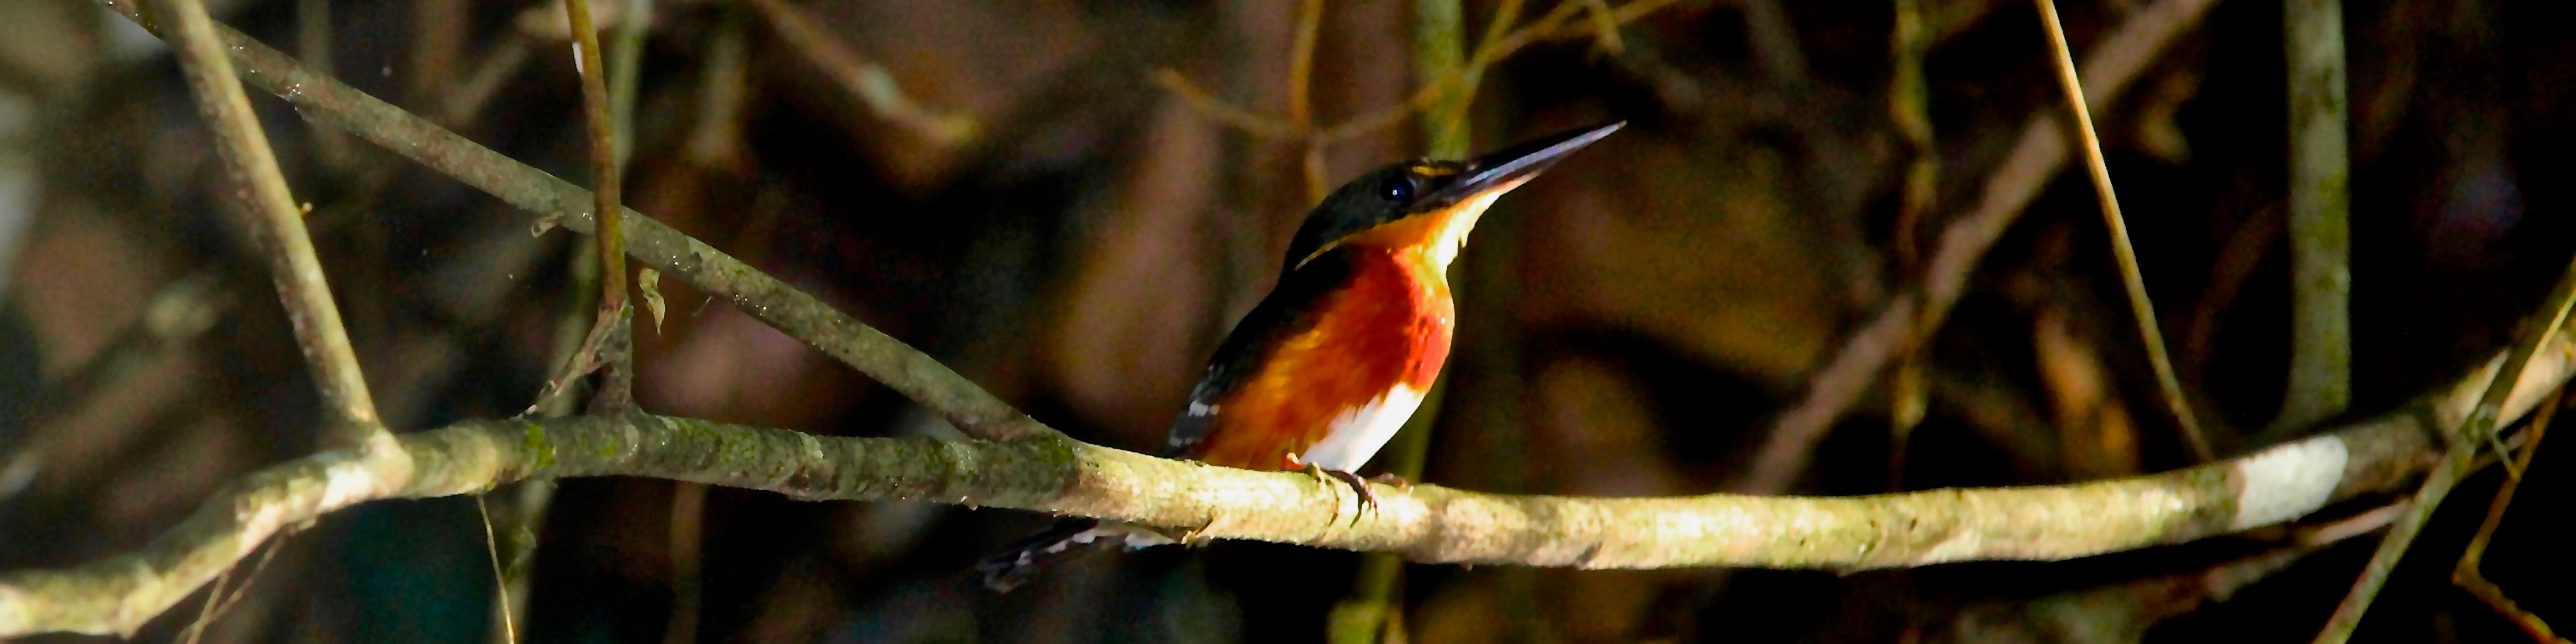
2108,68
278,224
2320,378
2140,306
500,580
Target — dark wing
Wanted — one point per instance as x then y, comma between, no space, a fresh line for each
1288,311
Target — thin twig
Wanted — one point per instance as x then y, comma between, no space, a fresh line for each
603,160
1211,106
2140,306
500,580
874,86
220,601
278,224
608,347
715,140
1605,26
525,515
1440,81
206,610
462,104
2504,383
2466,575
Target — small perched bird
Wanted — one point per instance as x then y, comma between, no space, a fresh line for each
1327,367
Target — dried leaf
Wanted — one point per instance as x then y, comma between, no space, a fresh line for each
650,282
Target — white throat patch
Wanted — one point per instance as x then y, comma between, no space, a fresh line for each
1453,233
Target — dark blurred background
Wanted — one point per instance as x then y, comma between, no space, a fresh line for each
1004,185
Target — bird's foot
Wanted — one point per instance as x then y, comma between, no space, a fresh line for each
1323,476
1368,497
1391,479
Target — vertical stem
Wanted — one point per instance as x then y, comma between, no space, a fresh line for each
1301,107
688,506
500,580
524,515
275,220
313,44
603,157
1910,109
1301,65
625,72
438,33
2320,378
2139,306
1438,52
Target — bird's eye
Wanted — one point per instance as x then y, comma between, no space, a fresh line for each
1398,188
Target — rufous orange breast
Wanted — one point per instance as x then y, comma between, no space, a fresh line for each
1333,393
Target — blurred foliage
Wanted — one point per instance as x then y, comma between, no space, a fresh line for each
1000,183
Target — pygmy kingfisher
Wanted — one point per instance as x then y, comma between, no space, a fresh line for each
1328,366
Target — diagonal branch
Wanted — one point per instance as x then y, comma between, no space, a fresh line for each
321,98
2108,67
1423,523
2141,307
278,224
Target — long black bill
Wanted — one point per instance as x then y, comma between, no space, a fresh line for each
1510,165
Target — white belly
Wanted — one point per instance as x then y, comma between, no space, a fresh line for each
1356,435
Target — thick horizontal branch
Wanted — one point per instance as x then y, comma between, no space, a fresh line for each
1424,523
320,98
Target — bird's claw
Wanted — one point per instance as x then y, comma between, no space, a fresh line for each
1368,497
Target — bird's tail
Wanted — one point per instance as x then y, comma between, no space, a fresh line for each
1006,570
